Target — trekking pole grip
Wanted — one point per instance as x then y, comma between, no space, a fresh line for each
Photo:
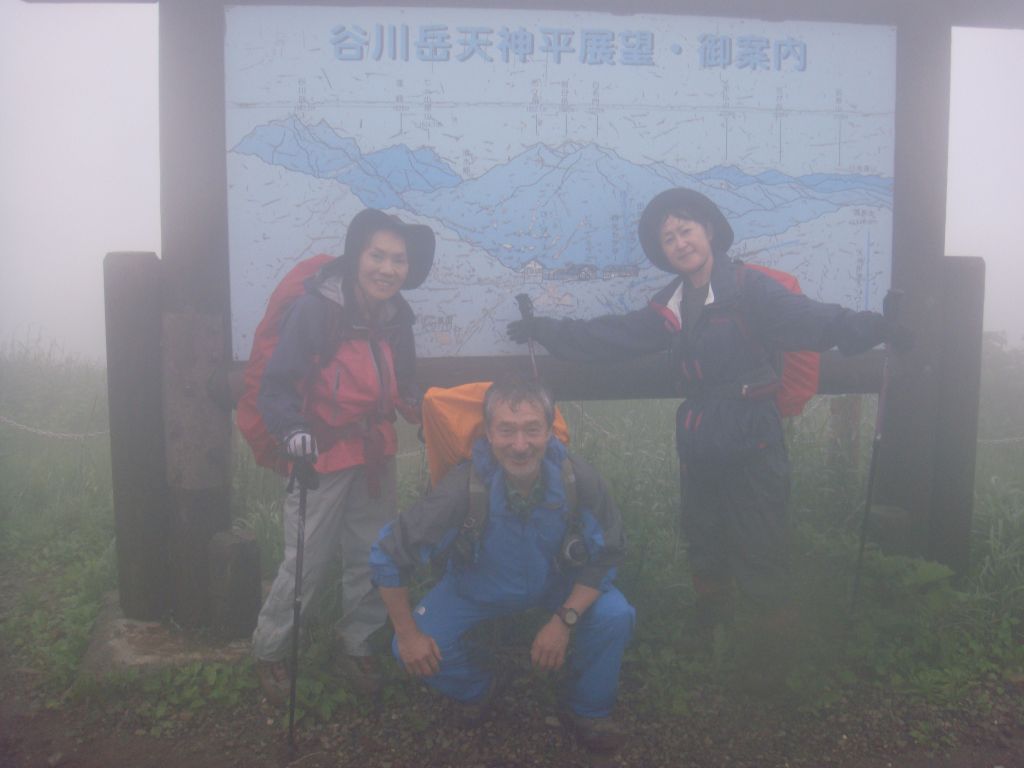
526,312
305,475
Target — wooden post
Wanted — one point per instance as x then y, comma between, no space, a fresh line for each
956,439
198,435
235,590
193,218
132,299
905,471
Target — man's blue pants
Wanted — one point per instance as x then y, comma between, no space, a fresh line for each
593,661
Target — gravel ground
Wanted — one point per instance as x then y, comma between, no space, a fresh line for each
865,730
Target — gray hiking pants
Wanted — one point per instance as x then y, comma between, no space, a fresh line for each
341,519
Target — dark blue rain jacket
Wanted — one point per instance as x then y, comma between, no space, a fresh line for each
727,363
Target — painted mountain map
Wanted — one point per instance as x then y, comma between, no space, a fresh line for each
531,141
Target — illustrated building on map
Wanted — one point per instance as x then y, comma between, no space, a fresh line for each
433,323
574,272
620,270
533,272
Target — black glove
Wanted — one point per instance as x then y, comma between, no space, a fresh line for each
894,333
521,331
892,305
897,336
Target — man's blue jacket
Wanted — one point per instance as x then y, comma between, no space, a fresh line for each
517,559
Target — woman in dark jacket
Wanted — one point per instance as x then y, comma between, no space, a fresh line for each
724,325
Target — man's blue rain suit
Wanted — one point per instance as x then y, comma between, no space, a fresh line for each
515,567
734,469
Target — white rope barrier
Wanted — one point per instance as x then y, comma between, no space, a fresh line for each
593,424
48,433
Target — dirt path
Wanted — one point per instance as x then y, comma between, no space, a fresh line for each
412,728
742,732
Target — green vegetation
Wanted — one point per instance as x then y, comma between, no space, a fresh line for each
56,523
916,631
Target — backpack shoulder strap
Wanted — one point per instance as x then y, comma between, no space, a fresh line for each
475,521
479,506
463,546
569,484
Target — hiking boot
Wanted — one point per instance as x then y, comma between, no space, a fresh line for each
275,681
361,672
600,735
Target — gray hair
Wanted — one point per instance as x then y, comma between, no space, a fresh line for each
514,389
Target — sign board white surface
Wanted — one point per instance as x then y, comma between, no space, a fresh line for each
531,140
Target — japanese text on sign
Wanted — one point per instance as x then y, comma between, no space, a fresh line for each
435,43
752,52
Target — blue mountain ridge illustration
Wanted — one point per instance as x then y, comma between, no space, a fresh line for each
565,206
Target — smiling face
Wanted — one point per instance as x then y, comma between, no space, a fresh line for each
383,267
519,437
687,248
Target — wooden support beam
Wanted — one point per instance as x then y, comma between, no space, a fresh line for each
198,436
132,299
235,590
956,439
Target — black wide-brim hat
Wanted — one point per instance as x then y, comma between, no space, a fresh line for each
698,208
419,242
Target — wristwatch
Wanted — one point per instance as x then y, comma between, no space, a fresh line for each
569,616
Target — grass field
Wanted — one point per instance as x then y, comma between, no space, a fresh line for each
915,631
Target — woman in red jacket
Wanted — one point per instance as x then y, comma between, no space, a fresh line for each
343,367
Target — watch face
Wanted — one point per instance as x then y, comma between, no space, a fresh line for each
569,616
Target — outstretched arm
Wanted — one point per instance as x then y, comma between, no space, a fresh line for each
609,337
794,321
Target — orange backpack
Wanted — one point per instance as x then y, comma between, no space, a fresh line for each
453,419
800,369
265,447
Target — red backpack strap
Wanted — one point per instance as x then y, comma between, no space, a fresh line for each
265,448
801,368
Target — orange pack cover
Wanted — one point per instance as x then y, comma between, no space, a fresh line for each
800,368
453,418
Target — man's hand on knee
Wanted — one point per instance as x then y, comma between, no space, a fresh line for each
419,653
549,646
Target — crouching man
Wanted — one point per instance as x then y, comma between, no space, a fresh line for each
526,525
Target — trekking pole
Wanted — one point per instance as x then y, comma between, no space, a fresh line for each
891,309
526,312
303,474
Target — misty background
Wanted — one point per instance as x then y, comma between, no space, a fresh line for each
79,164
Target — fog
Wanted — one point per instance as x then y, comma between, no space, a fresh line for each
80,171
78,162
